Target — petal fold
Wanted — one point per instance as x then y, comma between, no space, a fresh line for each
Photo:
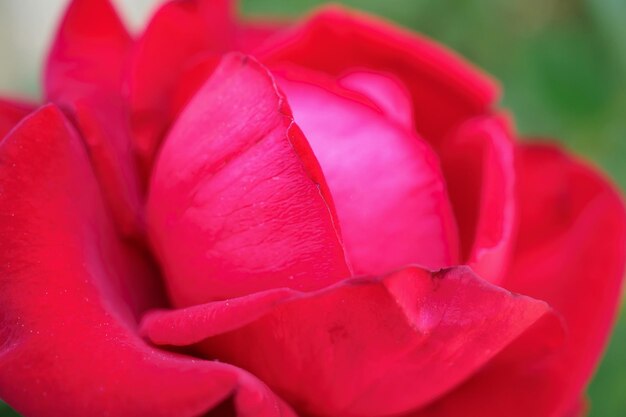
386,183
238,203
478,161
367,346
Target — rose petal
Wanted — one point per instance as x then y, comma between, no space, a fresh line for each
478,163
104,127
237,202
84,75
386,91
89,52
367,347
569,252
67,338
11,112
252,33
390,195
445,90
178,31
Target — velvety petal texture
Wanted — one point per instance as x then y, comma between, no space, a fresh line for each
238,202
368,347
67,337
390,195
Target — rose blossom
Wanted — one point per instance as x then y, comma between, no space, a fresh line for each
326,218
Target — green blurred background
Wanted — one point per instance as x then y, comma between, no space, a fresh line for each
563,67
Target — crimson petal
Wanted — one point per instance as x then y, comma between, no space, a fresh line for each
570,253
67,339
11,112
478,163
84,75
237,202
367,347
89,52
177,32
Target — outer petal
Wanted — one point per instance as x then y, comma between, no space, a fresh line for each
386,183
569,252
367,347
67,340
11,112
89,52
178,31
84,74
478,163
237,202
251,34
444,89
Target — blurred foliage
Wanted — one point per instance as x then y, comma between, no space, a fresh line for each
562,64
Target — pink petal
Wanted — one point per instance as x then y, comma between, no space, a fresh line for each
478,162
389,192
68,345
364,347
238,203
390,95
445,90
178,31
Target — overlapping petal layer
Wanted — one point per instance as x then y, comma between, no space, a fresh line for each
386,183
178,31
67,336
444,89
84,74
237,202
368,347
570,253
478,163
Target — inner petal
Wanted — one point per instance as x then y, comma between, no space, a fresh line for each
386,182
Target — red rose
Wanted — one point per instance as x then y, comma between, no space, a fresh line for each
344,224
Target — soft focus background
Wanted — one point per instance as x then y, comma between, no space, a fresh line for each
562,64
